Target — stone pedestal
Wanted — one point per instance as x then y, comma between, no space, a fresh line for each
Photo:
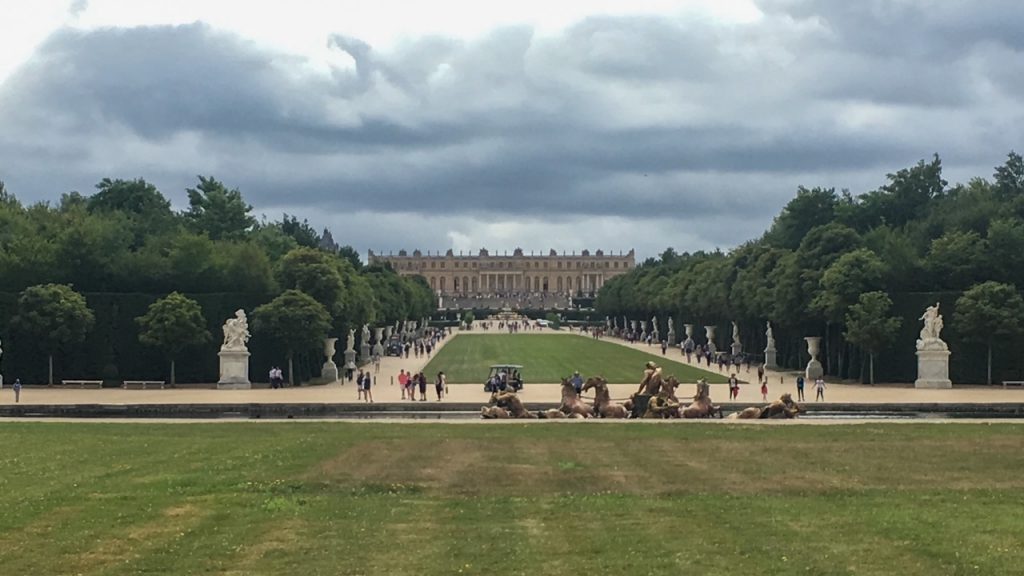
671,338
737,349
364,353
329,372
933,369
378,350
234,370
814,368
770,357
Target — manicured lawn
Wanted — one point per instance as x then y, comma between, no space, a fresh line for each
555,498
549,358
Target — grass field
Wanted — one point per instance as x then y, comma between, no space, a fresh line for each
549,358
558,498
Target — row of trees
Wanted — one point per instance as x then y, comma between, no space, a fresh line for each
858,270
126,239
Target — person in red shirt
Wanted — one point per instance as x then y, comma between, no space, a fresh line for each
403,382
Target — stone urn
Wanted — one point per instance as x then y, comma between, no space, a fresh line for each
814,369
709,333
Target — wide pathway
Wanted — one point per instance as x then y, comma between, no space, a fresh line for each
385,391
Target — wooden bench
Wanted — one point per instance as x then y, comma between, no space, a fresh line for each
83,383
144,384
1013,383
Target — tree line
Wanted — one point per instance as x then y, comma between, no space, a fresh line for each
125,240
858,270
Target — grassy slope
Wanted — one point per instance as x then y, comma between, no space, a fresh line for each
549,358
622,498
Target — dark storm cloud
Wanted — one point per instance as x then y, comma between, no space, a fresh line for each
615,116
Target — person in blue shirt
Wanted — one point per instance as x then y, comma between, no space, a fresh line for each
577,382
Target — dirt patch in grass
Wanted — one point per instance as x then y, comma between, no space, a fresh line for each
131,542
658,465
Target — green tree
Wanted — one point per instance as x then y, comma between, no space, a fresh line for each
296,320
957,259
134,196
1010,177
845,280
53,315
990,312
869,326
221,213
173,324
811,208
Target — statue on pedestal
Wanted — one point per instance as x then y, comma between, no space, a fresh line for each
932,352
234,355
770,354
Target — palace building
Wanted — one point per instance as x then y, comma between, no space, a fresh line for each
493,274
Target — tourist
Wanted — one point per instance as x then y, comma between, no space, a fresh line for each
376,363
819,387
760,373
17,390
734,387
403,381
423,386
367,386
764,390
577,382
439,385
800,388
664,347
273,378
359,385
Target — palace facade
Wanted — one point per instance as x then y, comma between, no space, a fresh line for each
493,274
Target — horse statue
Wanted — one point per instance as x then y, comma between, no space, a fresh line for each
510,401
702,406
603,405
784,407
571,402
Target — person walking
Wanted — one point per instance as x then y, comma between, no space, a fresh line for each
760,373
17,390
734,387
368,387
439,385
819,388
764,390
800,388
423,386
403,381
359,385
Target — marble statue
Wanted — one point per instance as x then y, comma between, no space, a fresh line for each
770,354
236,332
366,334
735,333
932,324
671,326
351,341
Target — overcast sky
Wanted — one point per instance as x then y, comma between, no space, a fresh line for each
564,124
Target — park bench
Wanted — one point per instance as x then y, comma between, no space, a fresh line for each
1013,383
83,383
143,384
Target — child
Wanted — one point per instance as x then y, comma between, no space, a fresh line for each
764,390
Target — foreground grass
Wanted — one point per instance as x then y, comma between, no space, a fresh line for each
549,358
623,498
